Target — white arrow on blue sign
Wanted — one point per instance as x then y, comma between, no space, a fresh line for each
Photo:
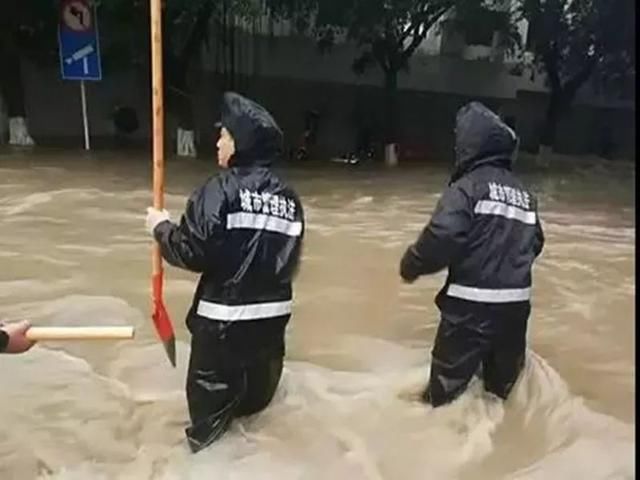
78,41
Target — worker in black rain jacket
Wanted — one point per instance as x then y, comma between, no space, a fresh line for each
242,231
486,231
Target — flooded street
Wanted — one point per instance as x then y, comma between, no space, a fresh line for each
74,251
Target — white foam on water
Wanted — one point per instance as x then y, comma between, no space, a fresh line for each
359,425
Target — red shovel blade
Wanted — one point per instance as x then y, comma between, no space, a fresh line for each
162,321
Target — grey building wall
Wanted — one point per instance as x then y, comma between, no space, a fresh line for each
297,57
54,108
289,76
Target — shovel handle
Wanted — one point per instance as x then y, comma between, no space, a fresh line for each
80,333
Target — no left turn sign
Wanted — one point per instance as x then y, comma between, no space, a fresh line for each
76,15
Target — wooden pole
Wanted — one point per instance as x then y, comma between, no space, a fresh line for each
158,115
160,317
80,333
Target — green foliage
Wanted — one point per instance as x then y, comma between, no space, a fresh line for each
574,39
30,28
478,21
386,32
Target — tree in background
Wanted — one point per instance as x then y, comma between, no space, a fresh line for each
574,41
186,27
479,22
27,30
386,33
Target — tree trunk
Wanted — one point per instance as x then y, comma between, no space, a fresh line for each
180,92
178,98
552,116
562,96
232,53
12,89
224,33
185,134
391,88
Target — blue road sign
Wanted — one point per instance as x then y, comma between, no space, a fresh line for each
78,41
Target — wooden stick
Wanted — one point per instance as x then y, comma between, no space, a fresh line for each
80,333
160,317
158,119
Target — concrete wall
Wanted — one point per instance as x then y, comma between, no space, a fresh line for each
425,114
298,58
54,108
583,130
425,119
442,64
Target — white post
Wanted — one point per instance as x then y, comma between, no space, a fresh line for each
391,155
85,120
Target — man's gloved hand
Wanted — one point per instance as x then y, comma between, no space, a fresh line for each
155,217
17,333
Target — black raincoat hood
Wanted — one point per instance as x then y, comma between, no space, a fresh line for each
257,136
481,138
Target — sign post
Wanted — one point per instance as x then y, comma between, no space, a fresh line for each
85,120
79,48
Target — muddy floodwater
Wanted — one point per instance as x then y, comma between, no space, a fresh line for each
74,251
